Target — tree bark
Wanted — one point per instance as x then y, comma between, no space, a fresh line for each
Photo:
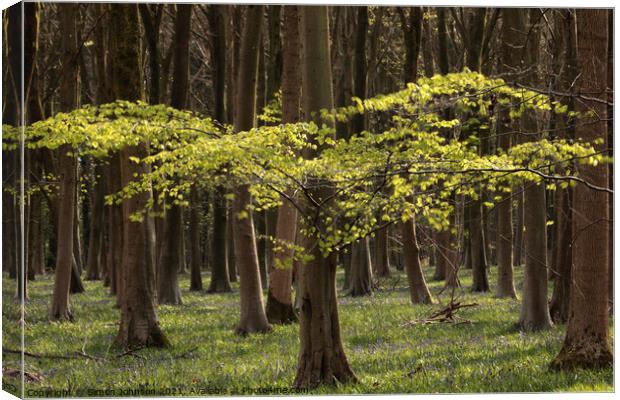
418,291
194,240
586,344
139,325
321,357
95,241
562,260
534,305
361,269
253,317
220,274
513,25
279,300
381,262
172,256
67,167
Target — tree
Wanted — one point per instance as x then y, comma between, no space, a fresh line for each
67,168
253,317
512,28
562,261
279,300
220,274
534,314
418,290
321,356
139,324
586,344
170,258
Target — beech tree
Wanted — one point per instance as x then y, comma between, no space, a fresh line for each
170,257
139,325
253,317
586,343
67,166
321,356
279,301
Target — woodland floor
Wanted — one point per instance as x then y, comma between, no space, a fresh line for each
207,358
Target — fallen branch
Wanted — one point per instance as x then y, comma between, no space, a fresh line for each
72,356
446,314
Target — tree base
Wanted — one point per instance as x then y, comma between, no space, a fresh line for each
154,337
323,369
533,326
170,297
279,313
585,354
421,297
61,315
217,286
247,329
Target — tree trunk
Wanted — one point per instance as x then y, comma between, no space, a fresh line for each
477,247
64,259
418,290
361,269
67,167
76,285
562,260
381,261
220,279
518,228
513,25
95,241
230,245
586,344
168,291
221,241
139,325
253,317
441,260
534,305
321,357
279,300
172,256
562,257
194,240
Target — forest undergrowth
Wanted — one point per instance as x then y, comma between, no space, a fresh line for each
483,353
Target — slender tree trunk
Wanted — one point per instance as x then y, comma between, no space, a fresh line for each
279,300
220,275
321,357
67,167
418,290
172,256
477,248
562,260
253,317
562,257
381,261
194,240
230,245
513,25
586,344
518,228
139,325
93,263
220,279
534,305
361,269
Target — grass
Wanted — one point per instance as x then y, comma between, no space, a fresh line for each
207,358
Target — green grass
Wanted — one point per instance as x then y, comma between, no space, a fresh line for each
488,355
